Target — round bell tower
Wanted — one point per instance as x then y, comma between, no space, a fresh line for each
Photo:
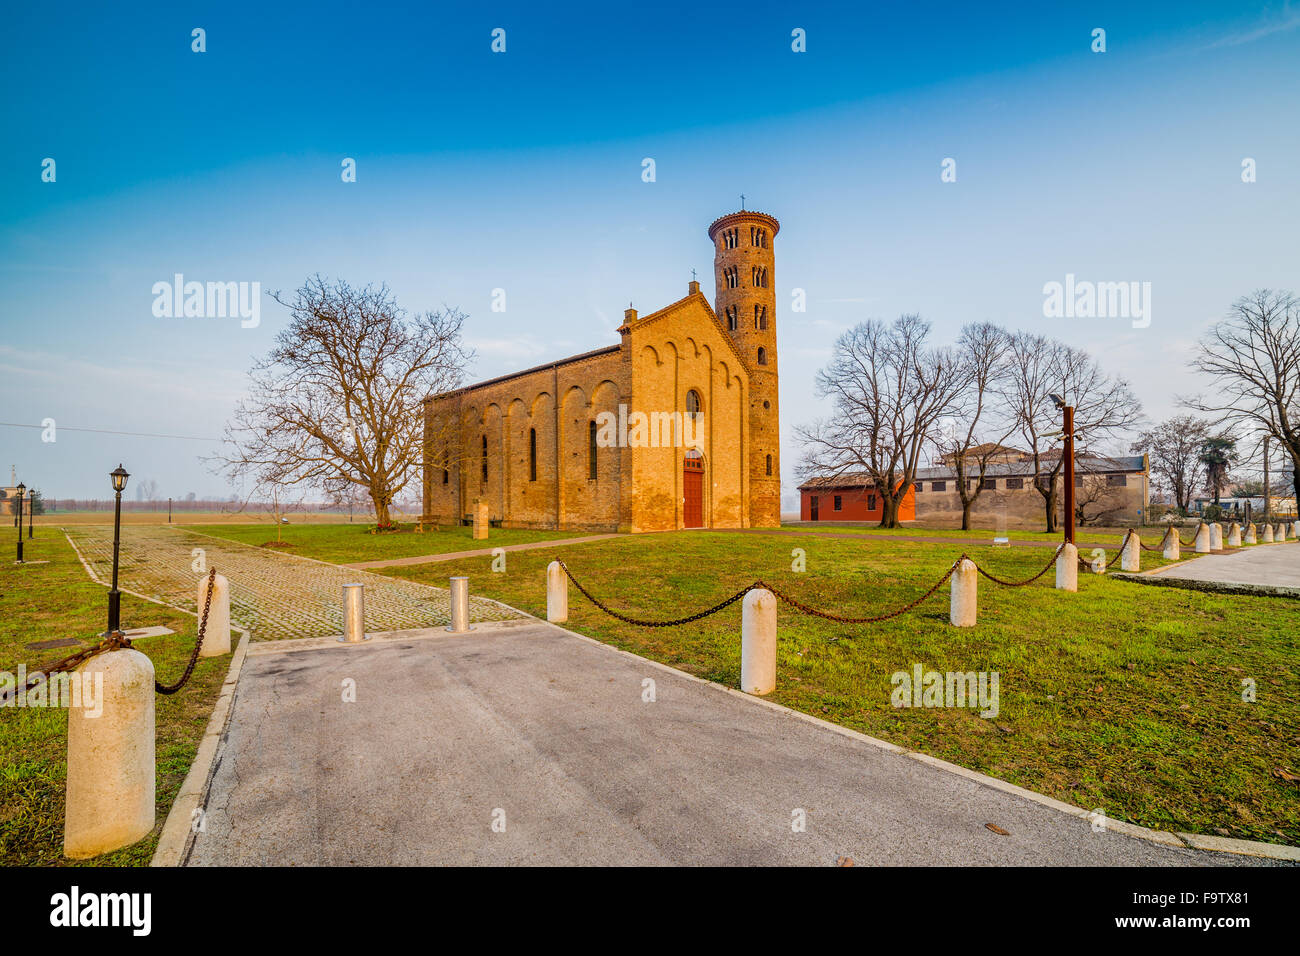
745,302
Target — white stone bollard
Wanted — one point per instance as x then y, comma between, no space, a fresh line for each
1295,529
109,797
557,593
216,636
1280,533
1067,568
1268,534
481,521
1216,536
354,614
961,608
758,642
1234,535
1172,544
1131,555
1250,533
459,605
1203,538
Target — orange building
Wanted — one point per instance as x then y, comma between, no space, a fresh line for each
848,499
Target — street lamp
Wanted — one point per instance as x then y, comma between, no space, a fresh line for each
1068,454
119,476
21,490
31,511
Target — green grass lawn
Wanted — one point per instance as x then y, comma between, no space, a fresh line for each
348,543
41,602
1120,697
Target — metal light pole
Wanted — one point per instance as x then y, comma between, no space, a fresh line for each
1068,454
119,476
21,489
169,511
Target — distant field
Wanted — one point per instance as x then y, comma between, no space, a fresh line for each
345,544
184,517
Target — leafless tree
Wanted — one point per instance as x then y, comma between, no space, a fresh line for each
337,401
1096,502
1104,407
1252,362
147,490
979,425
1174,448
889,389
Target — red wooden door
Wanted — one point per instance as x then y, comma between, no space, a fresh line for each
693,489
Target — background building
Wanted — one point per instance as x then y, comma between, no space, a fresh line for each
674,427
1108,491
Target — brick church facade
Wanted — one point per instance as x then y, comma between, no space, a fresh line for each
676,426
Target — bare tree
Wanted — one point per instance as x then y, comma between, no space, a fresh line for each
1096,502
1174,450
979,423
337,401
889,389
1252,360
147,490
1104,407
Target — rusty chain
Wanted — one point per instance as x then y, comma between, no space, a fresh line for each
860,620
116,641
631,620
198,644
1020,584
799,605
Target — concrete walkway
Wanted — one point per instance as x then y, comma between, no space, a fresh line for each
546,731
1274,565
479,553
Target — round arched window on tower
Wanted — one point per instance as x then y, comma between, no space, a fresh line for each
692,402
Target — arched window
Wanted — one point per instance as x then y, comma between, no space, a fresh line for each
762,319
762,360
731,318
445,476
532,454
591,450
769,465
485,457
732,275
692,402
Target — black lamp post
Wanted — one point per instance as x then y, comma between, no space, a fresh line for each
119,476
1068,454
31,512
21,490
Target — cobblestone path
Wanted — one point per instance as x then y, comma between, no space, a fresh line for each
275,596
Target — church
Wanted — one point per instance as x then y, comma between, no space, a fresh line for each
676,426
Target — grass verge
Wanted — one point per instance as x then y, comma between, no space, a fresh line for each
41,602
1119,697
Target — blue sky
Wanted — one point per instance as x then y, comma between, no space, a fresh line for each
522,171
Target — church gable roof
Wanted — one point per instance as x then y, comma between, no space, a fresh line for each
692,298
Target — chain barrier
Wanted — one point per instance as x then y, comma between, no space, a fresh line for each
198,644
799,605
672,623
862,620
116,641
1021,584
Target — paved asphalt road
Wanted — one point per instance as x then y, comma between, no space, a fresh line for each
1277,565
551,730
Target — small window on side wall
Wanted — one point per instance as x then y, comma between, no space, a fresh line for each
762,355
838,501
